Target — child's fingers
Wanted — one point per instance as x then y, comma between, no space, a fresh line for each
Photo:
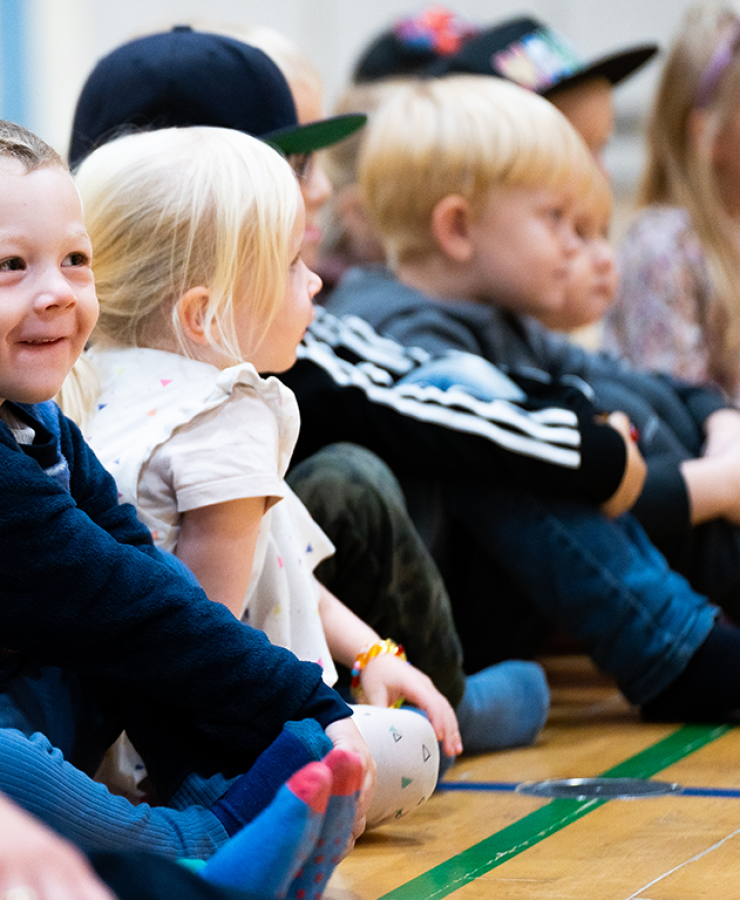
442,718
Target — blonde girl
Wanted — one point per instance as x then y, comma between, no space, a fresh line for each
678,304
197,234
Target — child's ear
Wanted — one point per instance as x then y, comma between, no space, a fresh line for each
192,308
451,219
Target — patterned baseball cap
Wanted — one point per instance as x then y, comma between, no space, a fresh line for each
532,55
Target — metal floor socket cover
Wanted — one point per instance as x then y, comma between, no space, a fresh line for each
598,788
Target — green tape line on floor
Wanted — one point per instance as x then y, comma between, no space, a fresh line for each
502,846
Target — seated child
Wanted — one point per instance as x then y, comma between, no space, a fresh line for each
199,442
381,566
100,630
480,235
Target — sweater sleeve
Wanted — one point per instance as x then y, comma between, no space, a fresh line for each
83,589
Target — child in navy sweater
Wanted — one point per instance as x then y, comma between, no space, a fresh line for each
100,632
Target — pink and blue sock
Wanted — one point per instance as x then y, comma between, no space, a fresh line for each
346,769
265,855
297,744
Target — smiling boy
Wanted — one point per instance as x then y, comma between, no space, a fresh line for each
100,632
49,307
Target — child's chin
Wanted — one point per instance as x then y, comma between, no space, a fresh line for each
36,395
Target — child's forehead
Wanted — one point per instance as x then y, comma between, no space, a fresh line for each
46,195
564,193
11,166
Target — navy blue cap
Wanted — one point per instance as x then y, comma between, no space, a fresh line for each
531,54
186,77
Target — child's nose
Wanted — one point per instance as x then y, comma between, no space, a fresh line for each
55,291
604,256
570,238
317,190
314,284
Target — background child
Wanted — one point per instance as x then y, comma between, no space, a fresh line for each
101,630
180,340
484,242
350,237
677,308
592,279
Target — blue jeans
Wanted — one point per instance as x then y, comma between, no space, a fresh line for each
531,563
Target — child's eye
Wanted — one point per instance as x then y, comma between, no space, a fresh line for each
76,259
301,163
12,264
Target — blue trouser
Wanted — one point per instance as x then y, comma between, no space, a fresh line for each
528,563
600,580
53,734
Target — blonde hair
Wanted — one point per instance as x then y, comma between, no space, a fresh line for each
178,208
464,134
679,169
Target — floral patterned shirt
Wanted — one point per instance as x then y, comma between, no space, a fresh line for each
658,317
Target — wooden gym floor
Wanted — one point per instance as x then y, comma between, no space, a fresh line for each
478,837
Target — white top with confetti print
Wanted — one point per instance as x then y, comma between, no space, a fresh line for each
178,434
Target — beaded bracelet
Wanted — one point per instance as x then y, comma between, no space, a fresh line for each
370,652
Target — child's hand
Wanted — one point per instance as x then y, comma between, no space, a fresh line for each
346,735
713,479
635,470
36,862
387,678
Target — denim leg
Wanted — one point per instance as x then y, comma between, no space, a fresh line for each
382,570
599,579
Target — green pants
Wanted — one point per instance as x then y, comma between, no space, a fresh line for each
381,569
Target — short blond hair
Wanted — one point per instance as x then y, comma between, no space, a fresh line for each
463,135
178,208
23,146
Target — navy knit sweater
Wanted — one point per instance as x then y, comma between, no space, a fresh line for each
84,589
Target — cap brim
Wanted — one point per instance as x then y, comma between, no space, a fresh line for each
315,135
615,67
